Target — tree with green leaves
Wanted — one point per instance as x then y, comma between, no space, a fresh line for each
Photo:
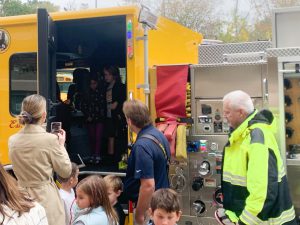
237,30
198,15
263,8
237,27
203,16
262,11
17,7
14,7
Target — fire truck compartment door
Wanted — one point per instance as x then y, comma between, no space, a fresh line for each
46,59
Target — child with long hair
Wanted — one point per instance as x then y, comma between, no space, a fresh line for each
93,108
16,207
92,203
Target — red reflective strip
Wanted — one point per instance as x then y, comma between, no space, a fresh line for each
130,207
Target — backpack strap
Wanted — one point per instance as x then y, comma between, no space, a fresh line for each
154,139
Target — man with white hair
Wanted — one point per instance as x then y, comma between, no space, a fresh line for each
254,181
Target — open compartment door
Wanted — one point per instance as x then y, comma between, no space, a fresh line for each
47,61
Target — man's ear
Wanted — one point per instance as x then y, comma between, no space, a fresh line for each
243,113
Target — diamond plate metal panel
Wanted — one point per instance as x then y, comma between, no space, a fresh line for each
262,62
283,52
233,52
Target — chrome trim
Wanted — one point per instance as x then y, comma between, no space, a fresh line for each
102,173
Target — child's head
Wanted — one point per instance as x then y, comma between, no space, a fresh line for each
72,180
114,187
93,83
111,73
165,207
91,193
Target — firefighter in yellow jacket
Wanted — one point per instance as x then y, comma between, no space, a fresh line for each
254,181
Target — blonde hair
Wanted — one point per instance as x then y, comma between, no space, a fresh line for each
137,112
114,182
12,196
73,173
33,107
95,187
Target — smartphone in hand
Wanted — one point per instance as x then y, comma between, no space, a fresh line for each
55,127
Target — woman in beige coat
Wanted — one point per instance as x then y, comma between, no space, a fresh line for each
36,155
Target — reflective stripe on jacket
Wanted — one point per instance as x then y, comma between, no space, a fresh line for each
254,180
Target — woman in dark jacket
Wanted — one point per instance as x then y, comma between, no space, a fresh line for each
115,97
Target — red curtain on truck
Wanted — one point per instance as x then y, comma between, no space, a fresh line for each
170,100
170,94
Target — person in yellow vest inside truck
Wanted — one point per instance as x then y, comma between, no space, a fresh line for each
254,181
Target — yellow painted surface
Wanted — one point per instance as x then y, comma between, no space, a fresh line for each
153,86
171,43
23,39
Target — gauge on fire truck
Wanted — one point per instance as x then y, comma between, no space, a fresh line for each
178,181
199,207
197,183
204,169
218,197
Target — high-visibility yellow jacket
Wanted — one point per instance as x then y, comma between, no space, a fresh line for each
254,181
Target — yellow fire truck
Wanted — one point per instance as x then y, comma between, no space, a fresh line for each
36,46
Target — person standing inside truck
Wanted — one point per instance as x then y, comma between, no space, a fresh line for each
36,155
254,181
93,108
115,97
148,164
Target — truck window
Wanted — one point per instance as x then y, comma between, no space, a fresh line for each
64,79
22,79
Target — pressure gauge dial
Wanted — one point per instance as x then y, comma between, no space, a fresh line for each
198,207
218,197
197,183
204,168
178,181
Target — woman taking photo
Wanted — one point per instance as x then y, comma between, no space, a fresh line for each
36,155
